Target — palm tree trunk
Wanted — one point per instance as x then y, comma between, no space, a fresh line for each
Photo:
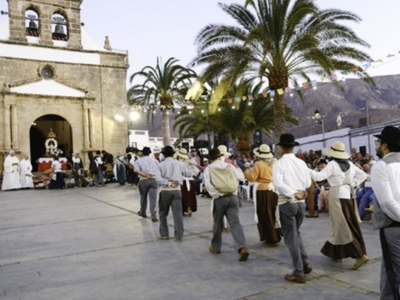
279,119
166,129
244,146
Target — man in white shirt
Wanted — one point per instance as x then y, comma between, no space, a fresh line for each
291,178
385,179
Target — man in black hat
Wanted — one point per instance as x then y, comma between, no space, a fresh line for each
147,169
385,181
172,173
224,204
291,179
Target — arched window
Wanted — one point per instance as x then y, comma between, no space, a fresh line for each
32,22
59,27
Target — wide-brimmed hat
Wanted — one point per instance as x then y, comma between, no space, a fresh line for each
214,154
224,150
263,151
337,150
287,139
390,135
146,151
168,151
182,153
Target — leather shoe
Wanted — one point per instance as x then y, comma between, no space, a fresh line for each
162,237
307,268
213,250
141,214
154,219
296,279
243,254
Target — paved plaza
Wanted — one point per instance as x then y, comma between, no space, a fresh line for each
89,243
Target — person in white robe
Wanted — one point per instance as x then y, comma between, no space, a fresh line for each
26,173
11,175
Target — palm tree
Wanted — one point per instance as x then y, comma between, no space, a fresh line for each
280,41
237,119
162,85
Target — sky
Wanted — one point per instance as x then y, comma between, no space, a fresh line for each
167,28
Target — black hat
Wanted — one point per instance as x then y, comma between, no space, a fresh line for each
390,135
287,139
168,151
146,151
214,154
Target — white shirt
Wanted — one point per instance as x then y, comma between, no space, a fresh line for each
336,177
290,175
385,179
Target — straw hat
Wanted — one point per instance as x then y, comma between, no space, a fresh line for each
337,150
263,151
224,151
183,153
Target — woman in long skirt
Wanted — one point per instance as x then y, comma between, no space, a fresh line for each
346,239
57,177
266,199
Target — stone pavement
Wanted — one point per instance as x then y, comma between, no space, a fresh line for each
88,243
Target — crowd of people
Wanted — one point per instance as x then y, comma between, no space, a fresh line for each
344,184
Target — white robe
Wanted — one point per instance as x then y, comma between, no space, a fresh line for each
11,176
26,174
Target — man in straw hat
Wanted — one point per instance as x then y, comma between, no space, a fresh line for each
291,178
265,200
385,181
172,173
345,239
224,204
147,169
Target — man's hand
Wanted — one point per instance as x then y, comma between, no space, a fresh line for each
174,184
300,195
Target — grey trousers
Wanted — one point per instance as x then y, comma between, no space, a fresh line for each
171,199
227,206
98,178
148,187
392,235
292,215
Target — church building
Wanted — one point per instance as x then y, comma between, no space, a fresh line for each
55,78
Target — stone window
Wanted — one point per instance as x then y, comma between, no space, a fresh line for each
59,27
32,22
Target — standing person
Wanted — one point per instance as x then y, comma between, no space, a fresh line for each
385,178
11,176
171,177
147,168
98,176
57,177
189,201
265,200
224,204
77,167
346,239
26,173
291,178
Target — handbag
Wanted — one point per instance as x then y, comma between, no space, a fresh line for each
53,176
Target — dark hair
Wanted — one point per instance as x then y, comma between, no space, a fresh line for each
393,148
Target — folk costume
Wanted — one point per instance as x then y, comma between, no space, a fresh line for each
346,239
147,168
290,176
385,178
57,177
266,199
225,205
172,173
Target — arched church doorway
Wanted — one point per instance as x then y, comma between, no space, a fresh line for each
39,134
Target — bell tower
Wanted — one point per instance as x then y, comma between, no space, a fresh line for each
46,22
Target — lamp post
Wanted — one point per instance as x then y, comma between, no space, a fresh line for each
319,119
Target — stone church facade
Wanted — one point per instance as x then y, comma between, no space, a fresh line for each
54,77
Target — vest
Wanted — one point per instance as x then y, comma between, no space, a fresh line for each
380,219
